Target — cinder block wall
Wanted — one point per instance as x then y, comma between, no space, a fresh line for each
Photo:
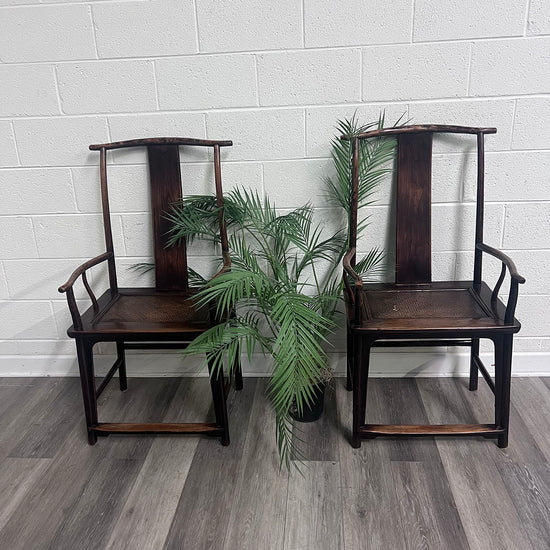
273,77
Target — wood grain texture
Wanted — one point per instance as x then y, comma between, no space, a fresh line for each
165,189
488,515
146,400
319,440
369,498
50,425
93,514
529,488
22,405
145,520
202,515
17,477
413,251
313,516
189,492
427,510
401,403
259,511
530,398
524,447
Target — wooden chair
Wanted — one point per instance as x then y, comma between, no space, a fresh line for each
163,317
416,311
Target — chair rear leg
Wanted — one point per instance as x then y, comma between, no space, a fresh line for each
473,367
220,405
236,368
503,378
349,360
238,375
123,379
86,368
361,359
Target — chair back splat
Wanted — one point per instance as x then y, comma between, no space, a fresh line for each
413,260
165,178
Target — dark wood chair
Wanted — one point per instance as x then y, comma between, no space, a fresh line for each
163,317
416,311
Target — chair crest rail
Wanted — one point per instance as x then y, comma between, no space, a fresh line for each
420,128
160,141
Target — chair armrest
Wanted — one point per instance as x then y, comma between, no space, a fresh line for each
506,260
354,293
349,270
515,279
82,269
67,288
226,265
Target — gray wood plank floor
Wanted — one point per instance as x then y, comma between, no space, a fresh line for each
57,492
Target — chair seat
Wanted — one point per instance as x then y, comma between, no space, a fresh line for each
146,312
434,307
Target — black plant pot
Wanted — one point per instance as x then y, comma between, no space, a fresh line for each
313,413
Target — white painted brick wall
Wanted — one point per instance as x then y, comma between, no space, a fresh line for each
510,66
37,191
417,71
223,81
249,25
538,21
274,77
28,90
59,141
46,33
531,127
107,87
445,20
8,151
355,22
306,77
145,29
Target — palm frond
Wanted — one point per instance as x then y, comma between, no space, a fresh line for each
375,162
142,267
224,342
192,217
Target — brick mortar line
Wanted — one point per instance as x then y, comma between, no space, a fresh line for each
291,107
526,18
306,159
197,28
281,51
94,34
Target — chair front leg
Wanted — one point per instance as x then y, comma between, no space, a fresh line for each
87,381
503,378
361,360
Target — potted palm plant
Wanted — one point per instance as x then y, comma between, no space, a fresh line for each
277,299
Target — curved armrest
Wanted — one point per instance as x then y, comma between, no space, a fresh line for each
354,293
82,268
226,265
349,270
68,287
515,279
507,261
